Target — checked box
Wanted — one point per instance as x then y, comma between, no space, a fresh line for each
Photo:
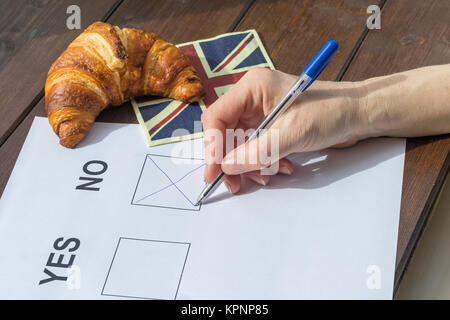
169,182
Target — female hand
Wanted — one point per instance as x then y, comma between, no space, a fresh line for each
327,114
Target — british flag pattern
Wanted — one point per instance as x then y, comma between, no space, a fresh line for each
220,63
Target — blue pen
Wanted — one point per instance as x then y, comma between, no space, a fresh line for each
309,74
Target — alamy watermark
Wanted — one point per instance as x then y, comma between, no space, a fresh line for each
263,152
73,281
373,281
74,19
374,20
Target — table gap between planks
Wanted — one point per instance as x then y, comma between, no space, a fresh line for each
35,33
413,34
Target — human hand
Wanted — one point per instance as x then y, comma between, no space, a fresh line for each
327,114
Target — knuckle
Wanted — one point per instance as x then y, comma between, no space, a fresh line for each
205,116
258,72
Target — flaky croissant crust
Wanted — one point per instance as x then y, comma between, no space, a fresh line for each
106,66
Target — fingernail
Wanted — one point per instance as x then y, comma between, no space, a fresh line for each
229,159
227,184
285,170
258,179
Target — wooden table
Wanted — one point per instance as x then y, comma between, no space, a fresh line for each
413,33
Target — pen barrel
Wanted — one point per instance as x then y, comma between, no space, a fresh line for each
299,86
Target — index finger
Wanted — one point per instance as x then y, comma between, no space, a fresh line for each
224,113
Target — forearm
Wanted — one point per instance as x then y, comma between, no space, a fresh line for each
408,104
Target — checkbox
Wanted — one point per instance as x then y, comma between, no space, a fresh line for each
146,269
169,182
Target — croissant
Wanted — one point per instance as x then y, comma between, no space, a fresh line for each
106,66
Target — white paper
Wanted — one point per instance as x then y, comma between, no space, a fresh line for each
327,231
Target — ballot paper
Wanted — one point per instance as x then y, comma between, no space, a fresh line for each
112,219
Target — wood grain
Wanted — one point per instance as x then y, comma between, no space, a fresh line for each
176,21
9,151
413,34
33,34
293,31
181,22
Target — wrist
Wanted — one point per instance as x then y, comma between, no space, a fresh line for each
377,110
372,119
407,104
359,106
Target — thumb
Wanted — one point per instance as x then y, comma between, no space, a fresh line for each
257,154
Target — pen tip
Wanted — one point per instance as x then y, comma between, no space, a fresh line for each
197,203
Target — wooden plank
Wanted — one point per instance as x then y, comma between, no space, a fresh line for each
282,40
177,21
413,34
289,55
9,151
33,34
293,31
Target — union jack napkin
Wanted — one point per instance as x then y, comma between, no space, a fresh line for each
220,62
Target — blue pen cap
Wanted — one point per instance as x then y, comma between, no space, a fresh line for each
321,60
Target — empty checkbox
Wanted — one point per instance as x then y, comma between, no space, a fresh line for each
146,269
